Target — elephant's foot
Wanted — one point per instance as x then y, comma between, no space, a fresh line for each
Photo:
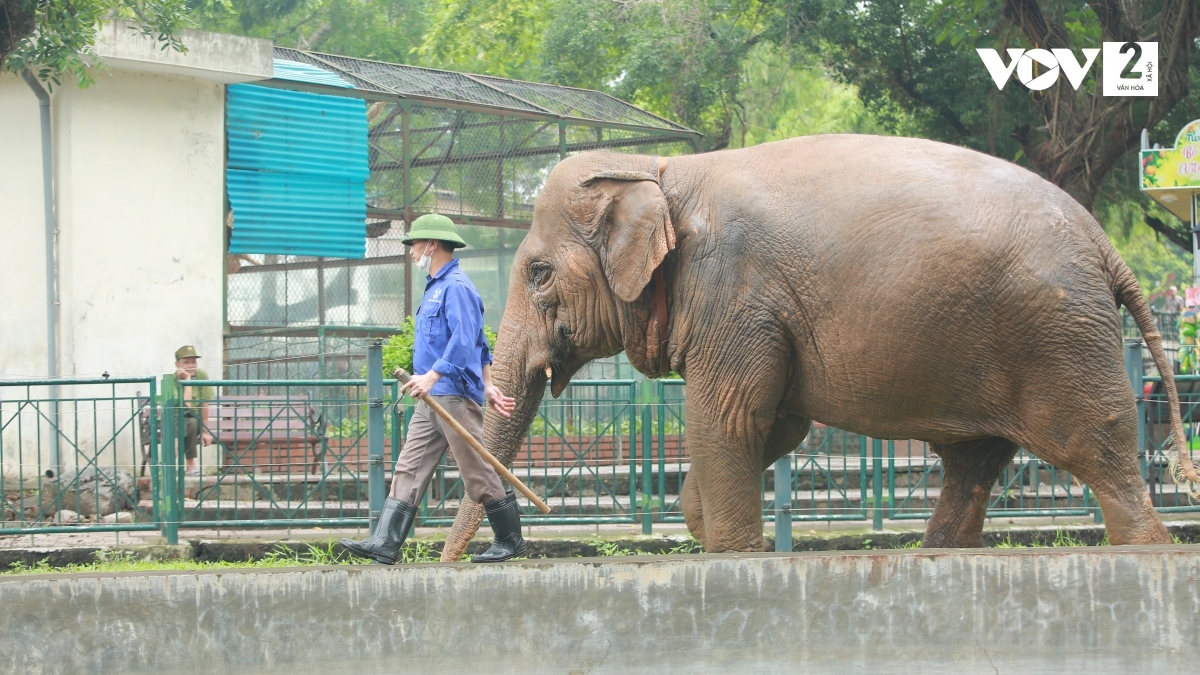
715,539
1132,520
466,524
969,470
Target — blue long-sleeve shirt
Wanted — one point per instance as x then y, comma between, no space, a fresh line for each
450,336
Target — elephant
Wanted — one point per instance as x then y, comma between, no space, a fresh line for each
898,288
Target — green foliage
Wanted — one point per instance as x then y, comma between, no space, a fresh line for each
315,555
57,38
398,349
280,556
686,548
610,549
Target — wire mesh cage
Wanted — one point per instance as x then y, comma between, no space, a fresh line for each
475,148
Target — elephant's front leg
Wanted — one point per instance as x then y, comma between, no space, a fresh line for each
727,440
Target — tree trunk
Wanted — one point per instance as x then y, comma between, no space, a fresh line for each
1085,134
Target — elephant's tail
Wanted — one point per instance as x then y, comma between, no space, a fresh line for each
1129,293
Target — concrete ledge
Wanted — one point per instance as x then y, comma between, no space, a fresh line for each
216,57
1103,610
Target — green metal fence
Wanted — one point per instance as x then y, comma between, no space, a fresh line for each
581,455
291,453
73,456
304,453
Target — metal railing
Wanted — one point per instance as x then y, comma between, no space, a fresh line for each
75,462
305,453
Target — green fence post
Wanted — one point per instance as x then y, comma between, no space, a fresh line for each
891,482
155,454
375,430
647,486
783,503
877,484
169,458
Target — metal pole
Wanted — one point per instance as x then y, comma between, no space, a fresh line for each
1195,239
562,141
647,485
783,503
877,483
169,455
321,351
51,227
375,429
1135,369
406,157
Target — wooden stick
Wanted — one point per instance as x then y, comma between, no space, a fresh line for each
403,377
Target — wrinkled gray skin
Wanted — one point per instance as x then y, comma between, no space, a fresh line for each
893,287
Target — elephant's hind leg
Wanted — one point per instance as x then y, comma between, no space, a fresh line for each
1101,451
969,470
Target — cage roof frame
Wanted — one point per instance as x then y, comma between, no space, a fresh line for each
497,96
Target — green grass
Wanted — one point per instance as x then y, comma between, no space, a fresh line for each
612,549
417,552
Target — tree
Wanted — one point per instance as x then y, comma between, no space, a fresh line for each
384,30
679,58
918,57
57,37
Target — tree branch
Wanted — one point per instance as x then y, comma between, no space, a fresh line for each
1028,16
1113,21
1179,236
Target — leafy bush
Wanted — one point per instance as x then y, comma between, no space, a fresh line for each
398,349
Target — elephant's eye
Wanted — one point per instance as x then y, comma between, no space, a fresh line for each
539,274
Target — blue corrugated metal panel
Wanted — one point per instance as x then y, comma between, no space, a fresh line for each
296,172
297,214
280,130
302,72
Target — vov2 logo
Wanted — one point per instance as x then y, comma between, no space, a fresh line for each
1130,68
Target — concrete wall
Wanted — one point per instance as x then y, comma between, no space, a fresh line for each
1101,610
139,191
141,174
22,256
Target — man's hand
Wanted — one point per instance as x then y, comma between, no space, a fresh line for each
498,401
206,438
420,385
181,374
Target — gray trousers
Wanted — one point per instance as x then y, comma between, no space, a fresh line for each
428,438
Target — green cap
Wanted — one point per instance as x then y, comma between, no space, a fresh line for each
433,226
185,352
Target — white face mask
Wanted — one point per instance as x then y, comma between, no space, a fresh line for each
426,260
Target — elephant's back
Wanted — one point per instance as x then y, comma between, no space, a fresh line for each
926,273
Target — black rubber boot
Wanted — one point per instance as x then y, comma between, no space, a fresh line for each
383,547
505,519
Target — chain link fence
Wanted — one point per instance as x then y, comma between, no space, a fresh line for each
472,147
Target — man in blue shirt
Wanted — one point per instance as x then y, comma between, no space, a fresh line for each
452,363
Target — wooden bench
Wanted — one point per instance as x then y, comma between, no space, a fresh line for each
269,434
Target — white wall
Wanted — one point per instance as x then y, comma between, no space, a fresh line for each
22,234
140,170
139,175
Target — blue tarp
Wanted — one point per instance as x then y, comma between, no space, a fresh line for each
296,172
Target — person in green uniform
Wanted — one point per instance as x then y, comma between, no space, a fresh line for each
195,415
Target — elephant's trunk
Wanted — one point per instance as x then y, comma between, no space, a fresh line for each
502,437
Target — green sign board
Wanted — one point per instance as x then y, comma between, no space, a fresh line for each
1172,175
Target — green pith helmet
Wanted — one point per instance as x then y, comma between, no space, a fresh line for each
186,351
433,226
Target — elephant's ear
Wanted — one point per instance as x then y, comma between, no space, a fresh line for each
632,228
